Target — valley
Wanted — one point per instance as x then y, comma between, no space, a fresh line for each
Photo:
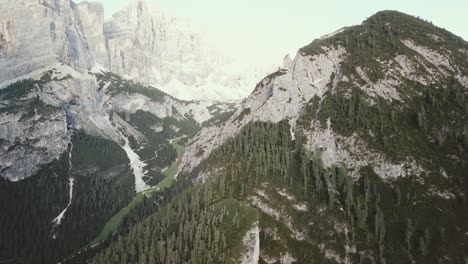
126,140
170,173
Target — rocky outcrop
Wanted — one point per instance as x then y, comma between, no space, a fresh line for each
130,38
56,35
28,143
251,242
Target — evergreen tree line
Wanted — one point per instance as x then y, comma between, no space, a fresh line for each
103,184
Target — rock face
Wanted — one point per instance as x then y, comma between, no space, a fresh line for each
61,51
386,100
251,241
130,38
158,49
56,35
29,143
141,42
279,96
92,18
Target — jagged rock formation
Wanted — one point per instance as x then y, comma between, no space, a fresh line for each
156,48
92,18
141,42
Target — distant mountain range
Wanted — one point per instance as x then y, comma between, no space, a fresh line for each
140,42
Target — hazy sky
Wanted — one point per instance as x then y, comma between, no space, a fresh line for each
263,31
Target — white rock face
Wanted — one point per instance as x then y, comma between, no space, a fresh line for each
26,144
261,200
442,62
251,241
29,141
92,18
56,35
354,153
130,103
155,48
140,42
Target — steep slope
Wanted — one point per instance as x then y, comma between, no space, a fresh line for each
375,59
385,101
92,18
354,152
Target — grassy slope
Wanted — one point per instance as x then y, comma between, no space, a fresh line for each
113,223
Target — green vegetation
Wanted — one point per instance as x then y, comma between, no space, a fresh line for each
115,222
18,89
415,219
157,133
18,97
263,157
103,184
186,230
429,127
380,36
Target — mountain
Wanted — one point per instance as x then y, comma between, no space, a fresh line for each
354,152
158,49
142,42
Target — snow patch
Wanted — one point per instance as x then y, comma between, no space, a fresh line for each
137,166
98,69
58,220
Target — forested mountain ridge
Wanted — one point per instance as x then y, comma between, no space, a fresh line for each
353,152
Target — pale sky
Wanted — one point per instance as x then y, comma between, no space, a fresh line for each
264,31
